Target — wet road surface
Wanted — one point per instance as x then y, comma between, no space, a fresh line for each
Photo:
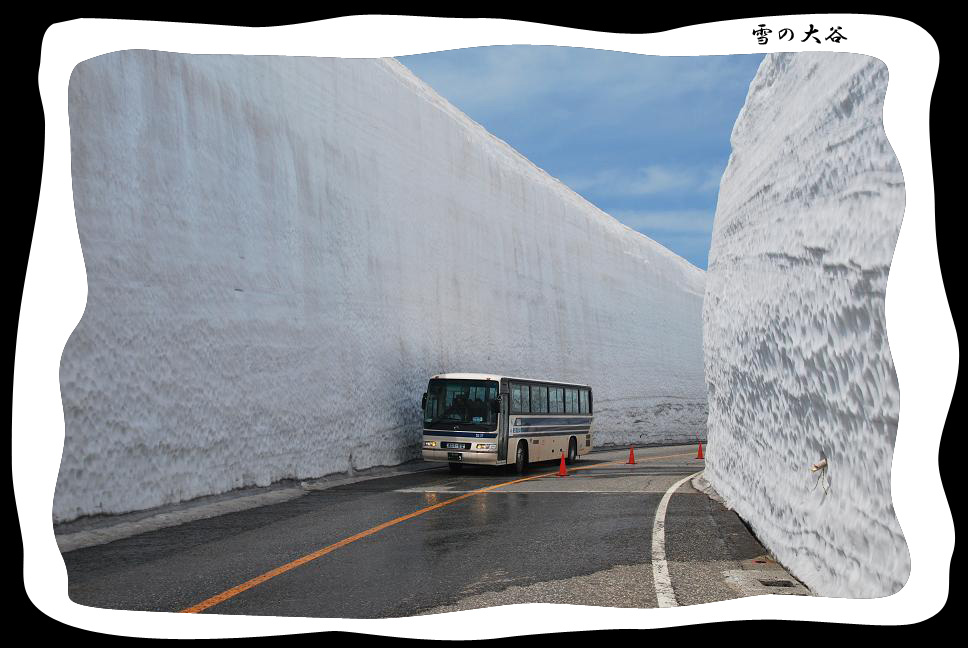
583,539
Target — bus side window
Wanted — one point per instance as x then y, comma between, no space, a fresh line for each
539,399
515,398
556,400
571,401
583,401
520,399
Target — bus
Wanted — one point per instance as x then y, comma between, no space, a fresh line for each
471,418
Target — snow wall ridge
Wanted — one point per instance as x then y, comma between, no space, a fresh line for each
797,360
465,120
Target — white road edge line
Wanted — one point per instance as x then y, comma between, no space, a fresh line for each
665,595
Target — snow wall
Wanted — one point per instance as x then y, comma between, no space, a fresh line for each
796,350
281,251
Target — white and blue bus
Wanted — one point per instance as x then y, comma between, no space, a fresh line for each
471,418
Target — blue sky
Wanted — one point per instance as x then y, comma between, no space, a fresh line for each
644,138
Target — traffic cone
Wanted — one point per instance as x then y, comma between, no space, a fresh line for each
562,471
631,456
699,456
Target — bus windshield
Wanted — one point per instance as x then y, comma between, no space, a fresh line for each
460,402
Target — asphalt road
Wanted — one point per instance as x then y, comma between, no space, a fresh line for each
432,542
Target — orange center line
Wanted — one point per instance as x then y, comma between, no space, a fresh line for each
282,569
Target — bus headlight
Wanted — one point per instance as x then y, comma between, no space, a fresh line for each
430,444
487,446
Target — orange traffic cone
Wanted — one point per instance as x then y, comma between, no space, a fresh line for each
699,456
562,472
631,456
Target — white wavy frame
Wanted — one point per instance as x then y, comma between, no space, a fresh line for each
922,334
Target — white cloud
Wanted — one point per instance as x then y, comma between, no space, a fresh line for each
684,221
713,177
485,80
648,180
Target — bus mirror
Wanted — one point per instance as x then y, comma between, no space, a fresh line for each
423,403
496,405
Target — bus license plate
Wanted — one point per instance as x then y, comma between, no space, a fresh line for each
454,456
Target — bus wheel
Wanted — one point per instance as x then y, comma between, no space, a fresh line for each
572,451
455,466
521,459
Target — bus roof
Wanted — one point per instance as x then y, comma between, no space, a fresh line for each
483,376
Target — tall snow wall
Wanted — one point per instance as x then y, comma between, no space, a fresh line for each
796,351
281,251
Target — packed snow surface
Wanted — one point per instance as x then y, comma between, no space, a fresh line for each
796,350
281,251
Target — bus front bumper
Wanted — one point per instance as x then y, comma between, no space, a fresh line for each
481,457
